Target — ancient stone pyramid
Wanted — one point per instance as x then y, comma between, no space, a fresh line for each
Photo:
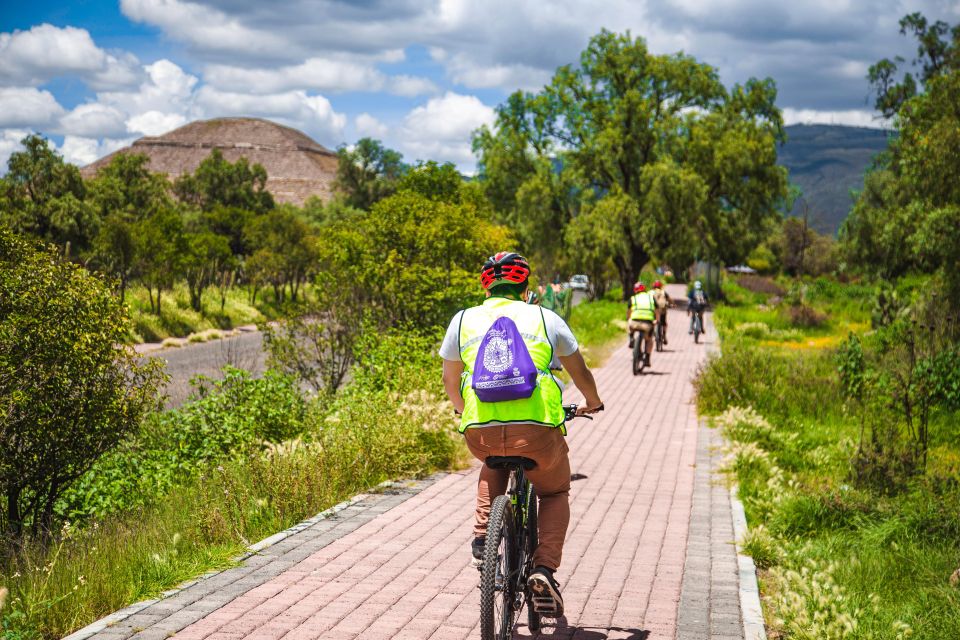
297,167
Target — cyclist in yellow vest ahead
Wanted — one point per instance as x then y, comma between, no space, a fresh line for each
532,426
642,312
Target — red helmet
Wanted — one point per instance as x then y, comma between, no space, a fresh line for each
638,287
506,265
657,284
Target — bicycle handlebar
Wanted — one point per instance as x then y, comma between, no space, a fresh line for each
570,412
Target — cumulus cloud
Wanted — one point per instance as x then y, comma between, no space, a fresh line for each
10,142
155,123
94,120
369,127
849,117
314,114
81,150
322,74
440,129
46,52
28,107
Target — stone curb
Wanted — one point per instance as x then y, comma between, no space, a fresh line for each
753,625
122,614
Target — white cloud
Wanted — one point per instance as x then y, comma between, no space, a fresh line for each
322,74
850,117
314,114
206,28
94,120
28,107
410,86
155,123
81,150
440,130
167,89
46,52
369,127
10,142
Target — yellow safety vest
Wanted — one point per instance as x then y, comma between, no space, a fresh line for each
545,406
643,307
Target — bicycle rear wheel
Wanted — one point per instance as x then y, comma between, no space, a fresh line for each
496,597
697,329
638,354
659,336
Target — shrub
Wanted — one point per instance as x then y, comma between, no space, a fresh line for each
760,284
803,315
68,393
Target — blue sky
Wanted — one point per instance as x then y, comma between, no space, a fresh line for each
420,75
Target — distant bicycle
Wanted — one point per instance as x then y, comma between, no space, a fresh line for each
658,334
508,553
697,326
639,362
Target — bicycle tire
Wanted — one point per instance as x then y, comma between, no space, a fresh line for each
659,336
497,560
533,618
697,328
637,354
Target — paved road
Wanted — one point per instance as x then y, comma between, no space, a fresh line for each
649,551
244,351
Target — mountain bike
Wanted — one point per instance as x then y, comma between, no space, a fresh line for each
639,342
508,553
697,325
658,331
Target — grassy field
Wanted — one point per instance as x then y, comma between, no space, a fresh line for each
839,559
178,319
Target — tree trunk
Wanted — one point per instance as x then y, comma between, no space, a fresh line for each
14,522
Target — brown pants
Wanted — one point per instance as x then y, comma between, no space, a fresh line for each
550,478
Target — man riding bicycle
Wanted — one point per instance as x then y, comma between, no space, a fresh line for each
662,298
641,314
477,342
696,303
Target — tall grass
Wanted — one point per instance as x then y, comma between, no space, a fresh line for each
839,561
597,326
178,319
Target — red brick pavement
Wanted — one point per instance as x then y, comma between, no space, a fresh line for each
406,574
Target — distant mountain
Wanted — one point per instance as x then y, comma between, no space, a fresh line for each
827,162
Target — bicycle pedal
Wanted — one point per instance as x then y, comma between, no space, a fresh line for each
545,605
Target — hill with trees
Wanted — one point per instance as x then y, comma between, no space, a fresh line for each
827,162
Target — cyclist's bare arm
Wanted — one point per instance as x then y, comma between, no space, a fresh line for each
583,378
452,371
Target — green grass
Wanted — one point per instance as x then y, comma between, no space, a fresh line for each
598,325
840,561
178,319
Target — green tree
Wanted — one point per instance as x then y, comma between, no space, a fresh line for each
697,162
909,211
68,392
124,193
161,245
45,197
219,182
367,173
433,180
938,52
205,259
284,252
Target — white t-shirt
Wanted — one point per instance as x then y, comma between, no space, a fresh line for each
563,341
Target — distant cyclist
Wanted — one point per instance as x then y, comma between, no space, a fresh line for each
641,314
489,349
662,298
696,302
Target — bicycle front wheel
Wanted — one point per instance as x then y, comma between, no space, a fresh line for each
496,592
533,618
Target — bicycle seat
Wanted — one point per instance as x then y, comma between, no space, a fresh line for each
510,462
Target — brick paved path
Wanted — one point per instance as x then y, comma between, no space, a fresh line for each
399,566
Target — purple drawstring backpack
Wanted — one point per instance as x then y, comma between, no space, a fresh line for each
504,369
